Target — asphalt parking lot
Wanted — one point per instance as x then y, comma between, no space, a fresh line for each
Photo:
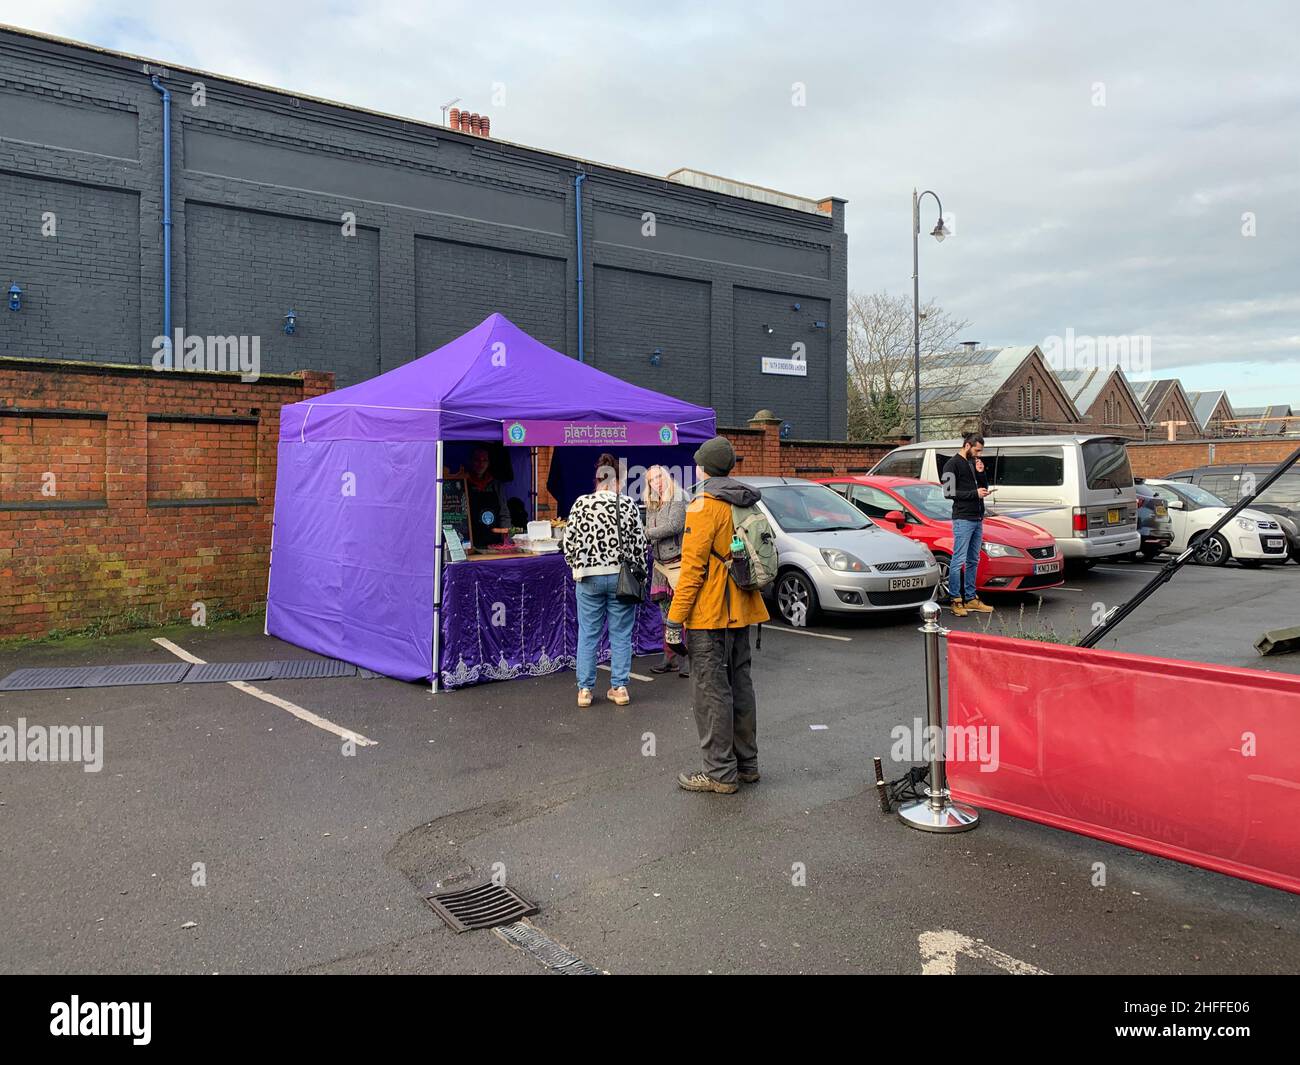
312,858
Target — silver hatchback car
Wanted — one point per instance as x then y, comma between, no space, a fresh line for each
834,558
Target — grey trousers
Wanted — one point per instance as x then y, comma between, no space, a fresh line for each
726,714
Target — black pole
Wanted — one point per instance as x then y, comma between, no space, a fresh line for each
1174,565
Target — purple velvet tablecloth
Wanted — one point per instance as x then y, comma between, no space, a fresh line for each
518,617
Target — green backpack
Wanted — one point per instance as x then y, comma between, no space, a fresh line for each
754,560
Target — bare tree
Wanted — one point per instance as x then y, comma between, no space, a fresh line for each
880,359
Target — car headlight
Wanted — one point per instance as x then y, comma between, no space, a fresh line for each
1001,550
843,561
1245,523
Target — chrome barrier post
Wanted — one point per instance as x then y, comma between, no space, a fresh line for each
938,813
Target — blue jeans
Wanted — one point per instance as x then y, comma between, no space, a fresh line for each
596,602
966,539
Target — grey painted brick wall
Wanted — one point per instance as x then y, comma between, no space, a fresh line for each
81,283
264,265
449,228
458,285
637,313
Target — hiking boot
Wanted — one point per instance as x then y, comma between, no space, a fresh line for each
618,696
704,782
748,776
975,604
958,608
584,698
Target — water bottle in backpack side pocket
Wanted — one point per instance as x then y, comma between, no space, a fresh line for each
739,561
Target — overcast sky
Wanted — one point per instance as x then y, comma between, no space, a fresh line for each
1096,159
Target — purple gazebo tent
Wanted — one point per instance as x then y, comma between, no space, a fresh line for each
356,561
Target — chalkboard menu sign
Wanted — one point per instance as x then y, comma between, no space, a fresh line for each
455,506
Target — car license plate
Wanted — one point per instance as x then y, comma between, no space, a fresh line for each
1279,544
1047,567
901,584
1112,517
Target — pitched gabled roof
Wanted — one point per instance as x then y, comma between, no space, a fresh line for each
964,381
1084,386
1157,391
1205,403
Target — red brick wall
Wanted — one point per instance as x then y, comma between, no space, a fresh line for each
1157,458
127,491
764,454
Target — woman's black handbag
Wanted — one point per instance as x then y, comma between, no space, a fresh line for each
631,577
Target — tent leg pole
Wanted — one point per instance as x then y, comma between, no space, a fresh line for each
437,567
534,463
270,554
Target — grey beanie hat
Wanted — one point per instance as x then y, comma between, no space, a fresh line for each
716,456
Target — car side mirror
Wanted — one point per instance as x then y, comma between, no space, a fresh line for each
895,517
1174,504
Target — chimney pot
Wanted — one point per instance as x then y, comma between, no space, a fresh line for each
475,121
486,126
453,118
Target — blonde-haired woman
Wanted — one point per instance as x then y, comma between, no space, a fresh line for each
665,508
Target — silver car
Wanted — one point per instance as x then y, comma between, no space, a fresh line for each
834,558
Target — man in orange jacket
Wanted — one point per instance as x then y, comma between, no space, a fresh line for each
716,614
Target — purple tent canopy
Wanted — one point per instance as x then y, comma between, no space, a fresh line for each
355,539
465,390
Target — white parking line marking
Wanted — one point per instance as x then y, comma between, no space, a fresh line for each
807,632
274,700
939,951
1124,572
634,676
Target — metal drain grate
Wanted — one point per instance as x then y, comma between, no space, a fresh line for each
220,672
485,906
542,947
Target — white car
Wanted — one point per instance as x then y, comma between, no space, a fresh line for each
1252,537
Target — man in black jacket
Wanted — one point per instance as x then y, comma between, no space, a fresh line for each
965,483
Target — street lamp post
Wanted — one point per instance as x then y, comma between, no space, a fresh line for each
939,232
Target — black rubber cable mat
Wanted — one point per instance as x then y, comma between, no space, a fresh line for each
542,947
485,906
94,676
313,669
221,672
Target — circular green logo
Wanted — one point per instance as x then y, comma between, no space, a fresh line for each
517,433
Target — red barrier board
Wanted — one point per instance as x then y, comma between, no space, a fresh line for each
1194,762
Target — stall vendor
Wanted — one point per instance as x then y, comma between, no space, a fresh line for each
488,511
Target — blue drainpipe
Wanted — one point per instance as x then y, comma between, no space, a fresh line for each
167,216
577,214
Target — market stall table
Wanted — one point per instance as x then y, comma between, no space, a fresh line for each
513,614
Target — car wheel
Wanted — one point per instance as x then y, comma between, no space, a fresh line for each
796,598
1210,551
945,564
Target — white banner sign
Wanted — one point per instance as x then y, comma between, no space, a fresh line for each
787,367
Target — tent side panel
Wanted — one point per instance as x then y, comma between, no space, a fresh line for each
352,563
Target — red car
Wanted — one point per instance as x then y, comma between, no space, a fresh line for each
1016,556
